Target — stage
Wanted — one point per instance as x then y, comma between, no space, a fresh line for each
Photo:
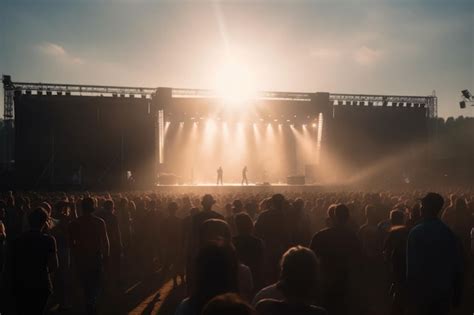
238,188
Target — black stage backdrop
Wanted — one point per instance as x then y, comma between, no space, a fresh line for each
64,140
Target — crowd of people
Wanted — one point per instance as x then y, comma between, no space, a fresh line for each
245,253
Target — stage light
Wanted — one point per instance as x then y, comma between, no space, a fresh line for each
275,120
235,83
319,137
314,125
304,125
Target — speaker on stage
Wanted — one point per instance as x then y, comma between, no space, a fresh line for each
295,180
311,173
168,179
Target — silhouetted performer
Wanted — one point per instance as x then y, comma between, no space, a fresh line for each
220,173
244,176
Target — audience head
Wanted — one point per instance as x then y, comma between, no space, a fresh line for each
238,206
214,230
88,205
46,207
397,217
109,205
243,223
228,304
461,204
341,214
172,208
415,212
371,214
207,202
298,273
298,204
330,219
277,201
37,219
431,205
61,209
228,209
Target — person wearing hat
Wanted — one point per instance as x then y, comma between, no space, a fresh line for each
434,262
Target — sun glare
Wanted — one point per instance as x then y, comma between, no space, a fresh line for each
235,83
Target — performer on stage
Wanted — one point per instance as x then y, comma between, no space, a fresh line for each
220,173
244,176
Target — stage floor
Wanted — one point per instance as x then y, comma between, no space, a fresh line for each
238,188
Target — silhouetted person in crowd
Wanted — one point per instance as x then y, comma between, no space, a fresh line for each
236,207
395,254
228,304
33,258
63,217
300,224
220,174
90,249
370,236
272,227
215,273
206,214
250,249
244,176
13,218
298,283
434,262
173,251
338,250
414,216
460,220
107,213
125,224
217,231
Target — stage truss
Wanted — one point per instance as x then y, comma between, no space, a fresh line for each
10,87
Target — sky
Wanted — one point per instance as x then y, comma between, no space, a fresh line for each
402,47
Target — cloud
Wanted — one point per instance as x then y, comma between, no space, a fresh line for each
59,53
326,54
366,56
